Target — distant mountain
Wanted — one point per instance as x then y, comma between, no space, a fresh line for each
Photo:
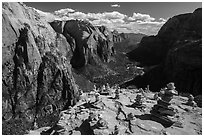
129,41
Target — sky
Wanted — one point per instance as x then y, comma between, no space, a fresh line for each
128,17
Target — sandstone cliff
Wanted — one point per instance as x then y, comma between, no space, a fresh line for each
91,47
36,72
176,51
40,58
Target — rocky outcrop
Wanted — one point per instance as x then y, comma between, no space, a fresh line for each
87,42
176,51
91,46
36,71
117,37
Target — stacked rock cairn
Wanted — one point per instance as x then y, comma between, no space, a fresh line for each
162,110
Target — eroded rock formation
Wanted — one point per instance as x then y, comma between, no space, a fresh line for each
87,42
38,56
36,71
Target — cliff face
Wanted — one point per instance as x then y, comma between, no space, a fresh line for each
36,71
91,47
41,55
87,42
176,51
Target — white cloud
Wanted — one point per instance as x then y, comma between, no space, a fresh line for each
118,21
101,22
149,22
137,23
130,19
149,28
144,17
113,15
78,15
93,16
115,5
64,11
162,19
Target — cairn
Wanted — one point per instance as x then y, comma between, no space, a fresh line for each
101,123
95,89
104,90
117,93
138,102
147,90
97,97
92,117
191,101
107,87
162,110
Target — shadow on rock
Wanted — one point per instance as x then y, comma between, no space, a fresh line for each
111,98
153,118
90,105
85,128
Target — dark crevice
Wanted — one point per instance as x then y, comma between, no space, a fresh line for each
50,78
20,60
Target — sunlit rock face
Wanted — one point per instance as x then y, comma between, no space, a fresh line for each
36,69
89,44
38,54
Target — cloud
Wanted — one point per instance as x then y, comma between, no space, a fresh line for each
130,19
145,27
78,15
93,16
113,15
137,23
118,21
115,5
162,19
64,11
143,17
101,22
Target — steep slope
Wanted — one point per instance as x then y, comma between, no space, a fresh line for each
45,61
91,47
176,51
36,71
87,42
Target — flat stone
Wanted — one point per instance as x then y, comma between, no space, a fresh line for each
167,108
164,103
161,119
167,112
